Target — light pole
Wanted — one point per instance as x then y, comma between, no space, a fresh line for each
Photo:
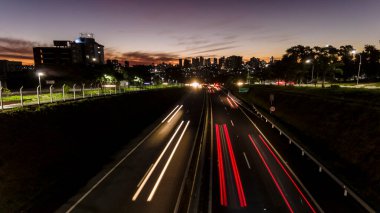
360,64
39,79
309,61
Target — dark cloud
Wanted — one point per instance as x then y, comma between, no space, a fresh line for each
16,49
138,57
13,56
208,46
215,49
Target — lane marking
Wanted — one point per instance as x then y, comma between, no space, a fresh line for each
222,183
287,174
169,114
246,159
175,113
144,175
167,164
155,164
239,186
271,174
232,123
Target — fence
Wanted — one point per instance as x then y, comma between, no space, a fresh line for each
21,98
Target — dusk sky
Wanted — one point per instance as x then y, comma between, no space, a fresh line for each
146,31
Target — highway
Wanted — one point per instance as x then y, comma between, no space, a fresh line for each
247,174
236,164
150,175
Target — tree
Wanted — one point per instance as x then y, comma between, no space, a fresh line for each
370,60
348,66
327,62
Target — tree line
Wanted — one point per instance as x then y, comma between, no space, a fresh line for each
305,64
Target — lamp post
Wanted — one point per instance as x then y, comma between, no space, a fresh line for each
360,64
39,79
309,61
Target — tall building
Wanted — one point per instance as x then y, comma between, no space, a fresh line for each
180,62
195,62
208,62
186,63
201,61
83,50
126,64
234,62
215,61
222,60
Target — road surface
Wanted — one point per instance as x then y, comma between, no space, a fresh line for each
149,177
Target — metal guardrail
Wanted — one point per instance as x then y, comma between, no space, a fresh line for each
346,189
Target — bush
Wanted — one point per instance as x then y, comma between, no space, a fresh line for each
334,86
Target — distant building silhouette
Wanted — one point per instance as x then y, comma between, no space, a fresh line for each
234,62
215,61
180,62
187,63
201,61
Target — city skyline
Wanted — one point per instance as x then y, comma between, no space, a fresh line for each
148,32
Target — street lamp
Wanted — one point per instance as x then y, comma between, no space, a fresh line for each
309,61
360,64
39,79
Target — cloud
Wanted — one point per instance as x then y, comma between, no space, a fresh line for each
13,56
138,57
273,38
215,49
17,49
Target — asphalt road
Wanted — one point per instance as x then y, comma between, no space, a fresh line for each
247,174
149,177
241,165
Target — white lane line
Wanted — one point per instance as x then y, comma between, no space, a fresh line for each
232,123
167,164
246,159
169,114
155,164
144,175
110,171
175,113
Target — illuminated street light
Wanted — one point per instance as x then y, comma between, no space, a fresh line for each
360,64
39,79
240,83
309,61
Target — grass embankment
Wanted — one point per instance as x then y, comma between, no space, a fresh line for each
58,96
339,126
48,153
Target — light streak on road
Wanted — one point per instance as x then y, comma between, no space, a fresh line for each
167,164
156,163
271,174
175,114
287,174
222,183
231,105
169,114
239,186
